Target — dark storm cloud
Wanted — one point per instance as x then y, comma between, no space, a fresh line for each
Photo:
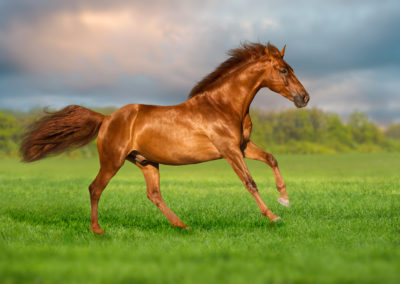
347,53
8,66
327,37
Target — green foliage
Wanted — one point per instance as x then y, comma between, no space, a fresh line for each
308,131
393,131
9,135
301,131
342,226
363,130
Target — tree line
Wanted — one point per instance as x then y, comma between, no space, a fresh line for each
301,131
307,131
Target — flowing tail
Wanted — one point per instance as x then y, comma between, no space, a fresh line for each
72,127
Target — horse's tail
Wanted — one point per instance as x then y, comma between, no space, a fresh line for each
71,127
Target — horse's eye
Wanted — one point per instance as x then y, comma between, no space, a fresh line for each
284,71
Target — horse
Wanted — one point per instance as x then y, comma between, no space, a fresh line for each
213,123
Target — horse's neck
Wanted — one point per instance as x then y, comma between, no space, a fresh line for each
239,90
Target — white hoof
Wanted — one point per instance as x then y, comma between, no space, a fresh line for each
283,201
276,220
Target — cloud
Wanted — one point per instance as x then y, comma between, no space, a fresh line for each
118,52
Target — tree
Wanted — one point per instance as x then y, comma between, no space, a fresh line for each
9,134
363,130
393,131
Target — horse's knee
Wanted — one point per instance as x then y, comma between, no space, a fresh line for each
251,185
271,160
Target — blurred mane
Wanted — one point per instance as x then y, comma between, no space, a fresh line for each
238,57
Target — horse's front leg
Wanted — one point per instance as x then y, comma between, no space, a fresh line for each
235,159
253,152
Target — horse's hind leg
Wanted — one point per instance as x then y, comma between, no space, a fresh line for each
107,171
113,144
152,177
255,153
112,158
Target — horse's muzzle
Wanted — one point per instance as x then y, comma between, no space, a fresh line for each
301,100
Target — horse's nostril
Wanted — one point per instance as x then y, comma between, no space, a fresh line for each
306,98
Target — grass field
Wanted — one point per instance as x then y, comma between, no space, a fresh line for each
343,225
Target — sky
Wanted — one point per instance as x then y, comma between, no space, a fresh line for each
111,53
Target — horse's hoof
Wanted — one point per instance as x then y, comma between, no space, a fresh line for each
98,231
277,220
186,229
284,201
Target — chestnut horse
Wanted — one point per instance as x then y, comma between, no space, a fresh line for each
213,123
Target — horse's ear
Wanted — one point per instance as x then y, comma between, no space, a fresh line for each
283,50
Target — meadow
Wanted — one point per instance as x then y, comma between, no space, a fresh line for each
343,225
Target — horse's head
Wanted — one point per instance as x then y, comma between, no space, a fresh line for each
280,77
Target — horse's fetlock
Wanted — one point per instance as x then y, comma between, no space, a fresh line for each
281,186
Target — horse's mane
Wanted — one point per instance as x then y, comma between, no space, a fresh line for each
238,56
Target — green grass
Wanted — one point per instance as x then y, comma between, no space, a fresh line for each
342,227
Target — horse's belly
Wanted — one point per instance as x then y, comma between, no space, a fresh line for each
176,149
